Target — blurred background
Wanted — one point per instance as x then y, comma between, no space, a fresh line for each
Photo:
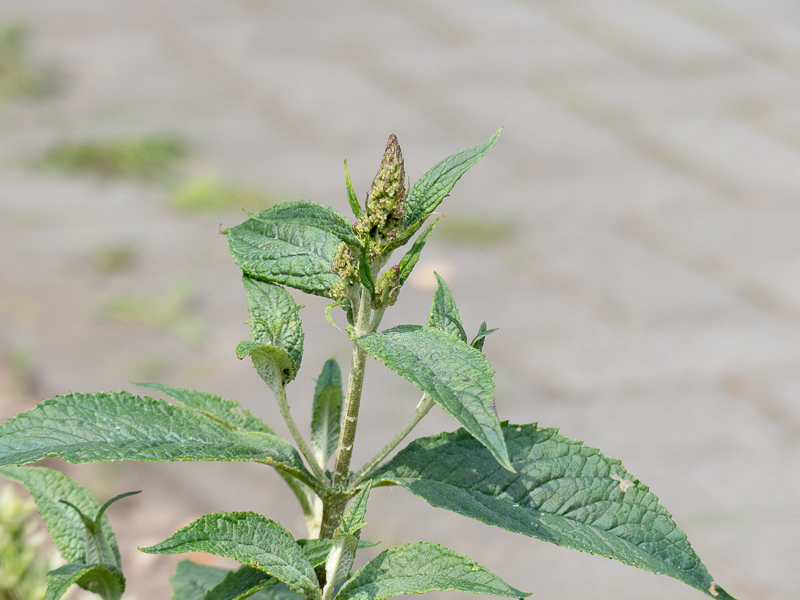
634,236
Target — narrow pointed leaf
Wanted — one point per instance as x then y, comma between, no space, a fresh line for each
250,539
410,258
433,187
309,214
226,411
105,580
456,376
444,314
84,428
481,336
48,488
274,318
298,256
351,194
364,272
562,492
326,412
420,568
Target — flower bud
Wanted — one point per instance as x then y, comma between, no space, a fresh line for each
385,201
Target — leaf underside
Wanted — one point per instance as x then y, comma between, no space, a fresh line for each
456,376
562,492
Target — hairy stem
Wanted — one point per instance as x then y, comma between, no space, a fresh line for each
283,405
423,407
334,508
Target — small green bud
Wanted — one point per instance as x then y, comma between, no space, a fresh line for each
345,265
387,288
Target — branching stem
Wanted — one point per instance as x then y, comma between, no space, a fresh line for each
424,406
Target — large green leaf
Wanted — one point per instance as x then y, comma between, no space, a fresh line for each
326,412
226,411
420,568
251,539
104,580
286,253
562,492
433,187
311,214
274,318
444,314
48,488
83,428
456,376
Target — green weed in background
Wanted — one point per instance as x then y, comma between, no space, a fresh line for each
18,75
148,158
23,562
113,258
209,195
168,313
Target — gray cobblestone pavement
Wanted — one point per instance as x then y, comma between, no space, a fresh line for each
646,281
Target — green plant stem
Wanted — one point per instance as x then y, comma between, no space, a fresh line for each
283,405
334,507
423,407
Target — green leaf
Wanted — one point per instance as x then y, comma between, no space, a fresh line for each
84,428
456,376
364,272
250,539
351,194
310,214
274,318
433,187
294,255
444,314
225,411
48,488
274,365
410,258
242,583
326,412
105,580
480,338
562,492
421,568
192,581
